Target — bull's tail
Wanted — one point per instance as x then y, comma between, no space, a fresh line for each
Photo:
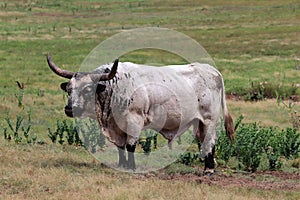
228,122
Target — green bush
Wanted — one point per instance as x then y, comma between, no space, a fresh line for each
253,141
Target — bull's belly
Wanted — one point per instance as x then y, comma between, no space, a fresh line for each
172,130
163,122
172,124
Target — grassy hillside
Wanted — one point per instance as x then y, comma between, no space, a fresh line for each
251,42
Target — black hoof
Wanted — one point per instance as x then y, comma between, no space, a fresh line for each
131,167
122,165
126,166
208,172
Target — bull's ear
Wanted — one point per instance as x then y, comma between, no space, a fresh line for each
100,87
63,86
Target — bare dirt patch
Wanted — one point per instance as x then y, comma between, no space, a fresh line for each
270,180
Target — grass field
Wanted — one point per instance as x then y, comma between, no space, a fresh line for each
55,172
251,42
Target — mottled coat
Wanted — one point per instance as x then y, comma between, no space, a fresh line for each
127,98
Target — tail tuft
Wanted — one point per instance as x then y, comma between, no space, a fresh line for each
229,126
228,122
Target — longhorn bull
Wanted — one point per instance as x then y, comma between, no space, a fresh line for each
126,98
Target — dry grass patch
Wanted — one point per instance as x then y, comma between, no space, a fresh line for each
267,112
66,172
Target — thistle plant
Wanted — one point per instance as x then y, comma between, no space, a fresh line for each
19,129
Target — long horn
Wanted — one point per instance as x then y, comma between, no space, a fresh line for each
112,73
107,76
57,70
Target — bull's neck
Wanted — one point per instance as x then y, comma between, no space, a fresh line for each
103,107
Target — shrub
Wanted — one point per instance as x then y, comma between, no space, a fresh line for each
253,142
289,143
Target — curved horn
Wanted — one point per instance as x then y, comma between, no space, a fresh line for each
107,76
112,73
57,70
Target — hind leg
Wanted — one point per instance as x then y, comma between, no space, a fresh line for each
209,163
208,147
206,134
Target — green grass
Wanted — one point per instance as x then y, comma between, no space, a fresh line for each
250,42
52,171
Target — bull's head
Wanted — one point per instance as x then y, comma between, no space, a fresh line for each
82,88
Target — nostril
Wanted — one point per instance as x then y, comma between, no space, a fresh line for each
68,111
68,107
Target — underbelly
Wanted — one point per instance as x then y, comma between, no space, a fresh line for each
176,131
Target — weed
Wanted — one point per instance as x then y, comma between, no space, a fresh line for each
92,137
188,158
6,135
146,140
19,129
62,128
19,97
295,118
290,106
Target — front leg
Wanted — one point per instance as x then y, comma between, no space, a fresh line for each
131,160
135,124
122,157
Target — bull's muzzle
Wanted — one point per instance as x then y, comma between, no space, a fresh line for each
68,111
72,111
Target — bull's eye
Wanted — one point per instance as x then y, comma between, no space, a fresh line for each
87,90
